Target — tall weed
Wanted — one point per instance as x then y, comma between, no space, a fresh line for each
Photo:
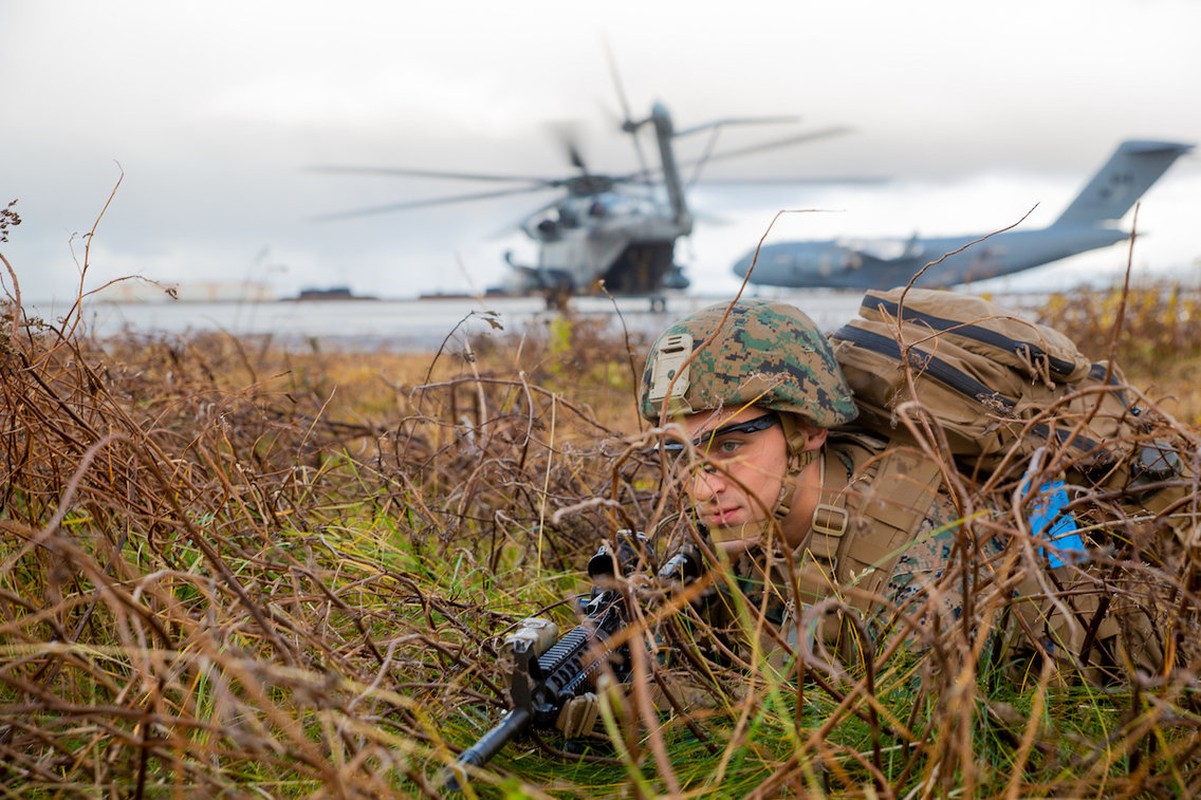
231,569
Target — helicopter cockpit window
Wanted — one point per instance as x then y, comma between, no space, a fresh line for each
611,205
568,217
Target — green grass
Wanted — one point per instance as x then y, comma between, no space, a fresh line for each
253,589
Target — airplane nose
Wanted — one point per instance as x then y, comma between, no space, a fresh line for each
742,265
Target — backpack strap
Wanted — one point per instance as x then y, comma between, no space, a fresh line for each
828,528
874,499
889,511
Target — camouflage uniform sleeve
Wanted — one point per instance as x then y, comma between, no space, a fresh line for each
919,583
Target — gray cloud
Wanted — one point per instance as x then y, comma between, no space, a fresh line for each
214,111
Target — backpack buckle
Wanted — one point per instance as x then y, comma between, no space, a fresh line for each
826,531
830,520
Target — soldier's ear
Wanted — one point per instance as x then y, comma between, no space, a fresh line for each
815,437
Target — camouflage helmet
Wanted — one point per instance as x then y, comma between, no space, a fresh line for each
767,354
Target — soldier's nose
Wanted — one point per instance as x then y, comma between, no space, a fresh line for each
706,484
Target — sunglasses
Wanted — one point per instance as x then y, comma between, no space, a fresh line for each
750,426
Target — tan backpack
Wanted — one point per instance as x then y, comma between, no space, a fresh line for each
999,387
969,377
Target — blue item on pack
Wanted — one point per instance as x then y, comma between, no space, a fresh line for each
1048,522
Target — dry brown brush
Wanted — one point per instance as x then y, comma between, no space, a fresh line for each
210,579
1151,328
230,568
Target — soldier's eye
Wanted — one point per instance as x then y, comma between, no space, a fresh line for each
726,447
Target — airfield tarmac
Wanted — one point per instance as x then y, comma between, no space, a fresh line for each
421,325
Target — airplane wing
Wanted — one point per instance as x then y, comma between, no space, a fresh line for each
883,250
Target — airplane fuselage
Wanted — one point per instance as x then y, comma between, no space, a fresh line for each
1090,221
843,264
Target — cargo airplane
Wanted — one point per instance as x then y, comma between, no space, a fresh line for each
1088,223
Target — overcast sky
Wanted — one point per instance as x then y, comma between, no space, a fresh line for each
210,113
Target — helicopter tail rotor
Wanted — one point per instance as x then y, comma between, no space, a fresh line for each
567,134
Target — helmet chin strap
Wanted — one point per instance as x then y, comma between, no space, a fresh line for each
798,458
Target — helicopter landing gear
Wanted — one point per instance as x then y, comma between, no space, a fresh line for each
658,303
558,299
557,288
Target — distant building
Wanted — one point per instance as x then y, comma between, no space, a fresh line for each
331,293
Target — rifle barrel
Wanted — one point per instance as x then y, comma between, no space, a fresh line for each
509,726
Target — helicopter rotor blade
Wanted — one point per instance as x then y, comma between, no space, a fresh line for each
404,172
718,123
801,138
699,166
567,134
573,155
865,180
427,203
757,148
628,124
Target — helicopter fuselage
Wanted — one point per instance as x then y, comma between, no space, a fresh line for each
625,241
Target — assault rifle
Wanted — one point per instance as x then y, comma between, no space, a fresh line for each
542,679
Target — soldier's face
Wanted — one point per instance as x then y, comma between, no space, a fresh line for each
745,461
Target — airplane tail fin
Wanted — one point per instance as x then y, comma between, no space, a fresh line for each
1121,182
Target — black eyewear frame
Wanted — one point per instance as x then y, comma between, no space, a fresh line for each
750,426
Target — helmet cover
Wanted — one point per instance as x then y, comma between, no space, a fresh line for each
767,353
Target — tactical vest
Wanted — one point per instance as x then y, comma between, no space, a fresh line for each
878,500
874,501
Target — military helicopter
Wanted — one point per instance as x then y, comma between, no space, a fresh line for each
611,233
